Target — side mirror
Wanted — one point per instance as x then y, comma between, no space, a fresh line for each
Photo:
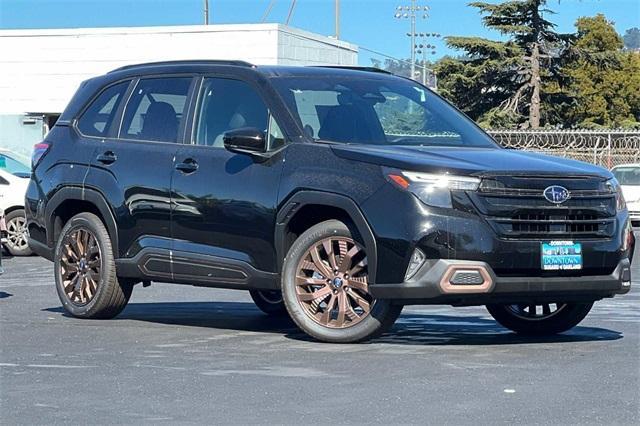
246,140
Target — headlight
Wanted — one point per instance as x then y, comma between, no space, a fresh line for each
615,187
432,189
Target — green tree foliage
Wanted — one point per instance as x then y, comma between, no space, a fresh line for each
501,83
602,81
400,67
541,78
632,38
396,67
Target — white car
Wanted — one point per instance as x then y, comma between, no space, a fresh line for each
14,179
629,177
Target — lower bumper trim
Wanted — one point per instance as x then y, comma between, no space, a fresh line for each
426,287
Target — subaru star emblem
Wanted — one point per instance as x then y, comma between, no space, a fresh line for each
556,194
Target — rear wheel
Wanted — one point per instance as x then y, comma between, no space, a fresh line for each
540,319
269,301
85,270
325,287
17,233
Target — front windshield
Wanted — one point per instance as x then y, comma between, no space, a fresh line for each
377,111
14,166
627,175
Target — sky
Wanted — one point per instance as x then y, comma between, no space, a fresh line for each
369,24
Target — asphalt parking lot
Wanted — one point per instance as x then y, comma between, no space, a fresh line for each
180,354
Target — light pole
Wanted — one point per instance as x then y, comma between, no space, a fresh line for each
411,13
424,47
337,16
206,12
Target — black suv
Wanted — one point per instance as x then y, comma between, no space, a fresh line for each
334,195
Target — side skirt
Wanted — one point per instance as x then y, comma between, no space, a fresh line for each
201,270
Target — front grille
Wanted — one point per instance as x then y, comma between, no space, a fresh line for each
538,225
522,212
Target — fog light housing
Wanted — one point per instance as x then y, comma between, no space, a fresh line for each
416,261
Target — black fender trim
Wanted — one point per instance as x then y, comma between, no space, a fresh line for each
77,193
302,198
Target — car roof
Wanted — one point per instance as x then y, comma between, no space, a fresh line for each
630,165
212,65
7,151
198,66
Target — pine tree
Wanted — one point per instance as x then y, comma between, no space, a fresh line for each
632,39
508,76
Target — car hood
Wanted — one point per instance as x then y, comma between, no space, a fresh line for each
467,161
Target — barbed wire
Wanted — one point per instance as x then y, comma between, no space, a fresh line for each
606,148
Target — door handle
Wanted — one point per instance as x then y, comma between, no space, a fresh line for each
107,157
187,166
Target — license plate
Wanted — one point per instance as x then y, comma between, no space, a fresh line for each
561,256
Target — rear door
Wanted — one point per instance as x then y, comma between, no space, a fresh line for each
225,203
133,167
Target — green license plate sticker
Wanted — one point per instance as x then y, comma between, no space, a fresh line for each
561,256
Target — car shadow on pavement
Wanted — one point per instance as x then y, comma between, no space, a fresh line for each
420,329
411,328
237,316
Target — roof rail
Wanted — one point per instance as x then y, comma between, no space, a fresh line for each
186,62
353,67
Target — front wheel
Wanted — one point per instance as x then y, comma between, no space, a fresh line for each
325,287
540,319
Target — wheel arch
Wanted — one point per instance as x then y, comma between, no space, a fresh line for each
294,217
12,209
69,201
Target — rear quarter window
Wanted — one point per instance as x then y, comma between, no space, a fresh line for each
97,118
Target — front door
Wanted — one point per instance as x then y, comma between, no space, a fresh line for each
225,203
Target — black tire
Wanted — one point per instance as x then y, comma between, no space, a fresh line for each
269,301
16,244
111,295
382,313
563,319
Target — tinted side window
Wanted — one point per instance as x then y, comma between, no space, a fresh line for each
155,109
97,118
226,105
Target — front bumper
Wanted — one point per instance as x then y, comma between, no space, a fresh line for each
432,285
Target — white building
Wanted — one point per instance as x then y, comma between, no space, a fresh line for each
41,69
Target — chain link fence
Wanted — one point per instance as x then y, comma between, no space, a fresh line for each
605,148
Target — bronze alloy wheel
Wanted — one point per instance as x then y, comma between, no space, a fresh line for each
17,233
80,266
332,283
534,312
